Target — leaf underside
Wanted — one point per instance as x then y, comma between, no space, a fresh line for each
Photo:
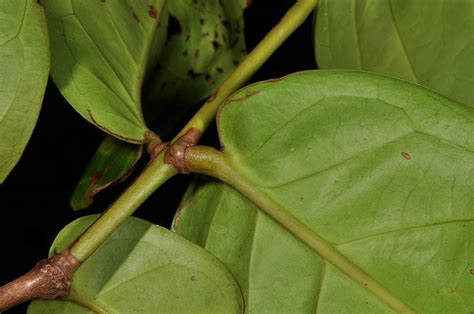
380,168
112,163
144,268
428,42
205,42
24,64
101,52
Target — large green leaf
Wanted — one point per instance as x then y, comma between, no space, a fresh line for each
380,168
24,64
205,42
429,42
148,269
113,162
101,52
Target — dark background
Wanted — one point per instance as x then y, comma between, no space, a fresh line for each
35,197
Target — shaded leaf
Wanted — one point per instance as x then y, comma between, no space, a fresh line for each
113,162
144,268
205,42
428,42
380,168
24,64
101,52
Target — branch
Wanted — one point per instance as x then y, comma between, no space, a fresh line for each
52,278
49,279
159,170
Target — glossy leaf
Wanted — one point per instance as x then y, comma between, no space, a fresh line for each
113,162
205,42
380,168
428,42
101,52
24,64
144,268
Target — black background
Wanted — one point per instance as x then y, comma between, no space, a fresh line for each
34,200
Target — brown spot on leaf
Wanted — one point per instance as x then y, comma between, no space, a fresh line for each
219,69
153,12
202,21
471,271
406,155
196,53
187,38
193,278
207,77
185,52
225,23
216,45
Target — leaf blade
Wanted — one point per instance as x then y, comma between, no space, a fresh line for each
101,54
112,163
362,161
428,43
24,58
145,268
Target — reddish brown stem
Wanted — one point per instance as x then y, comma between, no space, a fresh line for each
175,153
49,279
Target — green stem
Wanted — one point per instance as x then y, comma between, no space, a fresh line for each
211,162
158,172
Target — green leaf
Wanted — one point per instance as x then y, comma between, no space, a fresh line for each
428,42
24,64
101,52
205,42
144,268
210,40
380,168
113,162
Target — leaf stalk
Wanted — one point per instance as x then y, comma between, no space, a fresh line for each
211,162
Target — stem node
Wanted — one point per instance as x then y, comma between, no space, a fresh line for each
49,279
175,153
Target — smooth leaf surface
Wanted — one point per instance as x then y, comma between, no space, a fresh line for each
113,162
205,43
148,269
428,42
24,64
101,52
380,168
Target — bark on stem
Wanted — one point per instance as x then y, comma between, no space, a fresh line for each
49,279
